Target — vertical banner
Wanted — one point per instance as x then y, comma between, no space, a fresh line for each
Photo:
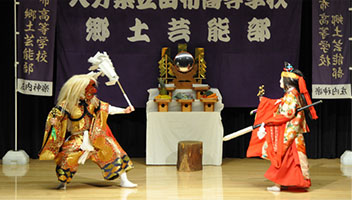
36,24
331,49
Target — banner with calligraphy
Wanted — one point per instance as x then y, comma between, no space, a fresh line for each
331,49
36,39
245,43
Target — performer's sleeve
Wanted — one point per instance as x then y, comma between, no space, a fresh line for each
115,110
266,108
286,111
54,135
102,115
96,135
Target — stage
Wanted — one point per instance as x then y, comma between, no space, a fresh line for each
234,179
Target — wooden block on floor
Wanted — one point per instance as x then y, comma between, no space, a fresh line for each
189,156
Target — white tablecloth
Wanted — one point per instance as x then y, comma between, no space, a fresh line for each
166,129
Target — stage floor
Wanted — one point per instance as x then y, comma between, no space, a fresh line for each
234,179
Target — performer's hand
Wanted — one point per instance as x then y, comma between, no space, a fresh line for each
253,112
53,121
261,132
129,109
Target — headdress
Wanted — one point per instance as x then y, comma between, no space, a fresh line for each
288,72
73,90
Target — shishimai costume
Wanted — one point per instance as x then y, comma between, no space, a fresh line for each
282,140
76,129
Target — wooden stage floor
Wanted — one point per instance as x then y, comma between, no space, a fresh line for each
235,179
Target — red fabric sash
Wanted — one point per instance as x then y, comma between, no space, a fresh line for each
304,91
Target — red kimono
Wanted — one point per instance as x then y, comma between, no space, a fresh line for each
283,143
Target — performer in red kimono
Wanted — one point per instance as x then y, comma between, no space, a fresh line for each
81,117
281,139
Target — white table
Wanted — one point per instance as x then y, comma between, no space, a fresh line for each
166,129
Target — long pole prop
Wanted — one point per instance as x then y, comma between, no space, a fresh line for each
251,128
125,95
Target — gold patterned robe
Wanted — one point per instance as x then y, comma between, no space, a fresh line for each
107,154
